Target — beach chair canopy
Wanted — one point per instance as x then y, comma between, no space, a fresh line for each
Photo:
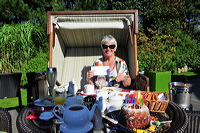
75,40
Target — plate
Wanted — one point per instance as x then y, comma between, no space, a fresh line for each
89,94
38,102
85,129
111,89
46,118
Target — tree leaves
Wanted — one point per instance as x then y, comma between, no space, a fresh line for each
156,52
13,11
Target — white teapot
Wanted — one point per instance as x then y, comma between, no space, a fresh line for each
75,116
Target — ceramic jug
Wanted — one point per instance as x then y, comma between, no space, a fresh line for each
75,116
72,88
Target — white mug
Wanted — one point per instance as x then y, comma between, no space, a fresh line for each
89,88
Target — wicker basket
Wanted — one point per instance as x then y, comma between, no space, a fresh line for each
152,101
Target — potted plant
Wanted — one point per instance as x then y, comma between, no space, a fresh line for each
155,53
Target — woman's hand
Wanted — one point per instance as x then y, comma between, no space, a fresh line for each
126,81
89,77
90,74
120,77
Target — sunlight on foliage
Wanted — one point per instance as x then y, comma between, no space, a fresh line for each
155,51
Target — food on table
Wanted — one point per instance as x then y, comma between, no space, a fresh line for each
140,130
144,112
136,116
111,89
152,128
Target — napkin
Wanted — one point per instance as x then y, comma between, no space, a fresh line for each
32,116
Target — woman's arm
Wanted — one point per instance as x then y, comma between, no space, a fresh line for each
123,73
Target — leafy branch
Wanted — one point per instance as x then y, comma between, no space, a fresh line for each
156,50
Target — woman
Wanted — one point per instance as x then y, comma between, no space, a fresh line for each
118,68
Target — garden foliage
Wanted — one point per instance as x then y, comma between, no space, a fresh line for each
156,51
19,45
187,51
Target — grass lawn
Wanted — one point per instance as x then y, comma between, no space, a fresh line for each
179,77
187,74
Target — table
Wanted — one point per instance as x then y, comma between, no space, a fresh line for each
32,125
26,125
179,121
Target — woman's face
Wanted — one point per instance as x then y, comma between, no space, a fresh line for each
108,49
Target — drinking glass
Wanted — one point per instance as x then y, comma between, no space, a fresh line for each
59,96
51,78
101,81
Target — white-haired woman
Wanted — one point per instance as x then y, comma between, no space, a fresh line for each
118,69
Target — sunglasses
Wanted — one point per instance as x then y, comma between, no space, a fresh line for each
106,46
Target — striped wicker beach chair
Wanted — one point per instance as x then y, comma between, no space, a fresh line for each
75,38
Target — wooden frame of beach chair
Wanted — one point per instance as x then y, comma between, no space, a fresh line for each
75,38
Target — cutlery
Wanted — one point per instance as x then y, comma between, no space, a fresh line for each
117,123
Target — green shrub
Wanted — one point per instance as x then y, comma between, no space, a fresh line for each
187,51
37,64
155,51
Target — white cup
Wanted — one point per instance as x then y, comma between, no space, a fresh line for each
89,88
